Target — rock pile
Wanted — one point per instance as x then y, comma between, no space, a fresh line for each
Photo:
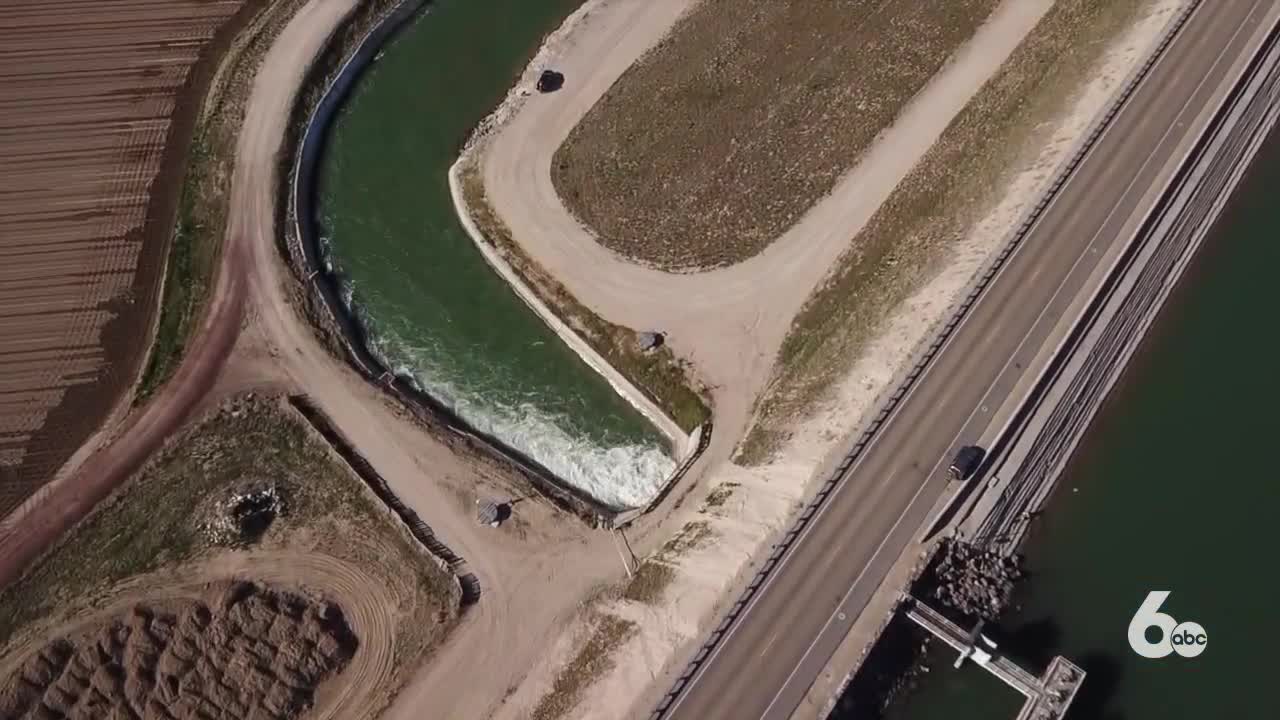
973,581
246,514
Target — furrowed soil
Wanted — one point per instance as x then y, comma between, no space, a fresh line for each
100,100
244,572
958,182
256,653
719,138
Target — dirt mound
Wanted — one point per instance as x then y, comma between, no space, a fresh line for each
257,653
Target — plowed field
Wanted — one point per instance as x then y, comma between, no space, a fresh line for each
97,102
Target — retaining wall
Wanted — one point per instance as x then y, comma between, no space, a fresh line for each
467,581
682,444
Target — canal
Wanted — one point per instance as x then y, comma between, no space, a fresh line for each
1175,488
431,306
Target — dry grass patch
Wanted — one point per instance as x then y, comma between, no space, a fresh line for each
664,378
647,586
694,534
649,582
592,661
657,572
723,135
719,495
958,182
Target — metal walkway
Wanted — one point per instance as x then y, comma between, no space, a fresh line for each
1048,696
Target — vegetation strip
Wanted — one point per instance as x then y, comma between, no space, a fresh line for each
957,182
1106,32
166,518
205,194
720,138
591,661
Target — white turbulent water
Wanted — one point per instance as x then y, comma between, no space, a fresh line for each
619,476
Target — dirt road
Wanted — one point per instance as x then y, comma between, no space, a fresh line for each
533,571
887,494
729,322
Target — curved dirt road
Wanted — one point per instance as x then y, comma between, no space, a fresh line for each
536,572
730,321
369,607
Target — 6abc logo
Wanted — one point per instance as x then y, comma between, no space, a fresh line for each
1188,639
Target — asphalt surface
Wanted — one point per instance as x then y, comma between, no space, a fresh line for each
784,638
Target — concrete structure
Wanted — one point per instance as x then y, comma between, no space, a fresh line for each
1048,696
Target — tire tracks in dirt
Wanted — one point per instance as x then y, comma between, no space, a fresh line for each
369,607
48,513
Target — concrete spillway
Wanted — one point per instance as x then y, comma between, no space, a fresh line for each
422,310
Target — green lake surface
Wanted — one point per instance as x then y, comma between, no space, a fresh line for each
1175,488
434,310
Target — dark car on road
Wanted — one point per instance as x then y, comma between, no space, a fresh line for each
966,462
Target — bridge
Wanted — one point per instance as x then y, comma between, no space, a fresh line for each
1048,696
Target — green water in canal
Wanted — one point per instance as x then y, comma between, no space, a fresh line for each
434,309
1176,489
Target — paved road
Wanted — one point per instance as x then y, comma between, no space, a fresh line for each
780,644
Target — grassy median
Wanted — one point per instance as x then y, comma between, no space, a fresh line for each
958,182
716,141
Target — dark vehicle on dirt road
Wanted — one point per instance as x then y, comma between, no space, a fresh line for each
550,81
